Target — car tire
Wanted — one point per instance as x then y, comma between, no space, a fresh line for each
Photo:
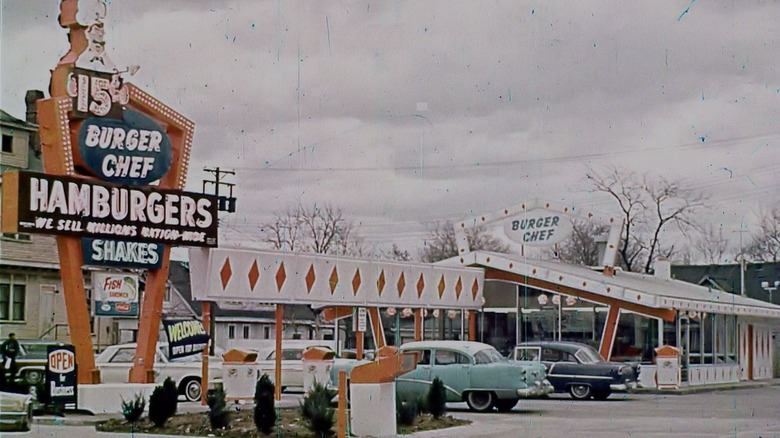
601,395
580,392
33,377
28,419
506,405
192,389
480,401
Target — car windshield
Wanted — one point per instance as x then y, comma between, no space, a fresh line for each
488,355
588,355
34,351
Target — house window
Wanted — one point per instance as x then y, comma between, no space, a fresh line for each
246,331
231,331
266,332
12,300
8,143
20,237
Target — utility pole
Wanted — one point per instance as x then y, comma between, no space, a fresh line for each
741,262
227,204
224,203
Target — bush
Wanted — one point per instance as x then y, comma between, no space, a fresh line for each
159,410
133,409
316,410
265,411
406,412
172,394
219,415
437,399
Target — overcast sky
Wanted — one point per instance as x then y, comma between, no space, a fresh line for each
405,113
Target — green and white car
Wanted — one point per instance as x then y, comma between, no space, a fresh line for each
472,372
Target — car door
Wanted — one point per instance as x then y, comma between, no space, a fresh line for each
117,368
454,370
412,385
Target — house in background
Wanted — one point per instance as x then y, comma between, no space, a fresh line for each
243,328
727,278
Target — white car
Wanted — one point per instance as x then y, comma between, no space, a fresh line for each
292,366
115,362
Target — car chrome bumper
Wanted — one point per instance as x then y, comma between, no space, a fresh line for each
541,387
627,386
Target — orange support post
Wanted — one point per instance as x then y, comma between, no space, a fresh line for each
342,406
278,361
205,359
149,324
76,307
377,328
360,338
418,324
608,338
472,325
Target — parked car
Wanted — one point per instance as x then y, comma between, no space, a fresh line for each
470,371
15,411
292,365
32,358
579,369
115,362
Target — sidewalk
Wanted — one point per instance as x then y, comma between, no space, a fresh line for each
686,389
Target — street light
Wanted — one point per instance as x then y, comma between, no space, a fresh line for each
770,289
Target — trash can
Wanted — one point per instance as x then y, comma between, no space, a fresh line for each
667,371
372,390
240,372
317,363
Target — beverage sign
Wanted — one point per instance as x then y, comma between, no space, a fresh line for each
538,228
115,294
38,203
108,252
133,150
61,380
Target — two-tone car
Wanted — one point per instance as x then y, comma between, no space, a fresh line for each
471,372
15,411
32,358
578,369
115,362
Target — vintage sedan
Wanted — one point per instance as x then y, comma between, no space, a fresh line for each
15,411
578,369
292,365
470,371
32,358
115,362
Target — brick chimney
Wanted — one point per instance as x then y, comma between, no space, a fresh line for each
30,99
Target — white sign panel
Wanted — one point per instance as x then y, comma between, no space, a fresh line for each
361,320
538,228
115,294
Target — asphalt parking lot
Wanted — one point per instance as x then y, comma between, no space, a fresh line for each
747,412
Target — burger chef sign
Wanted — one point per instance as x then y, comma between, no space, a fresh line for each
133,150
539,227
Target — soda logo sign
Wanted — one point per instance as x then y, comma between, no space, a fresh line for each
134,150
62,361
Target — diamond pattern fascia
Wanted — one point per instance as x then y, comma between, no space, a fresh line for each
254,275
311,276
474,290
442,286
333,280
356,282
420,286
225,273
401,285
380,283
458,288
281,276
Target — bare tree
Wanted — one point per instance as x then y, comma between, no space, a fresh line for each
710,244
765,244
648,206
581,248
396,253
442,244
320,229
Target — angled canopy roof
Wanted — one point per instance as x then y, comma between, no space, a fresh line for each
631,289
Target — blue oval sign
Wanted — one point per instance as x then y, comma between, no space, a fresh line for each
132,151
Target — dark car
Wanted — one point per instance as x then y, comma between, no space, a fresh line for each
579,369
32,358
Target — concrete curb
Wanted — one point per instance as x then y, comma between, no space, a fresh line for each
709,388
